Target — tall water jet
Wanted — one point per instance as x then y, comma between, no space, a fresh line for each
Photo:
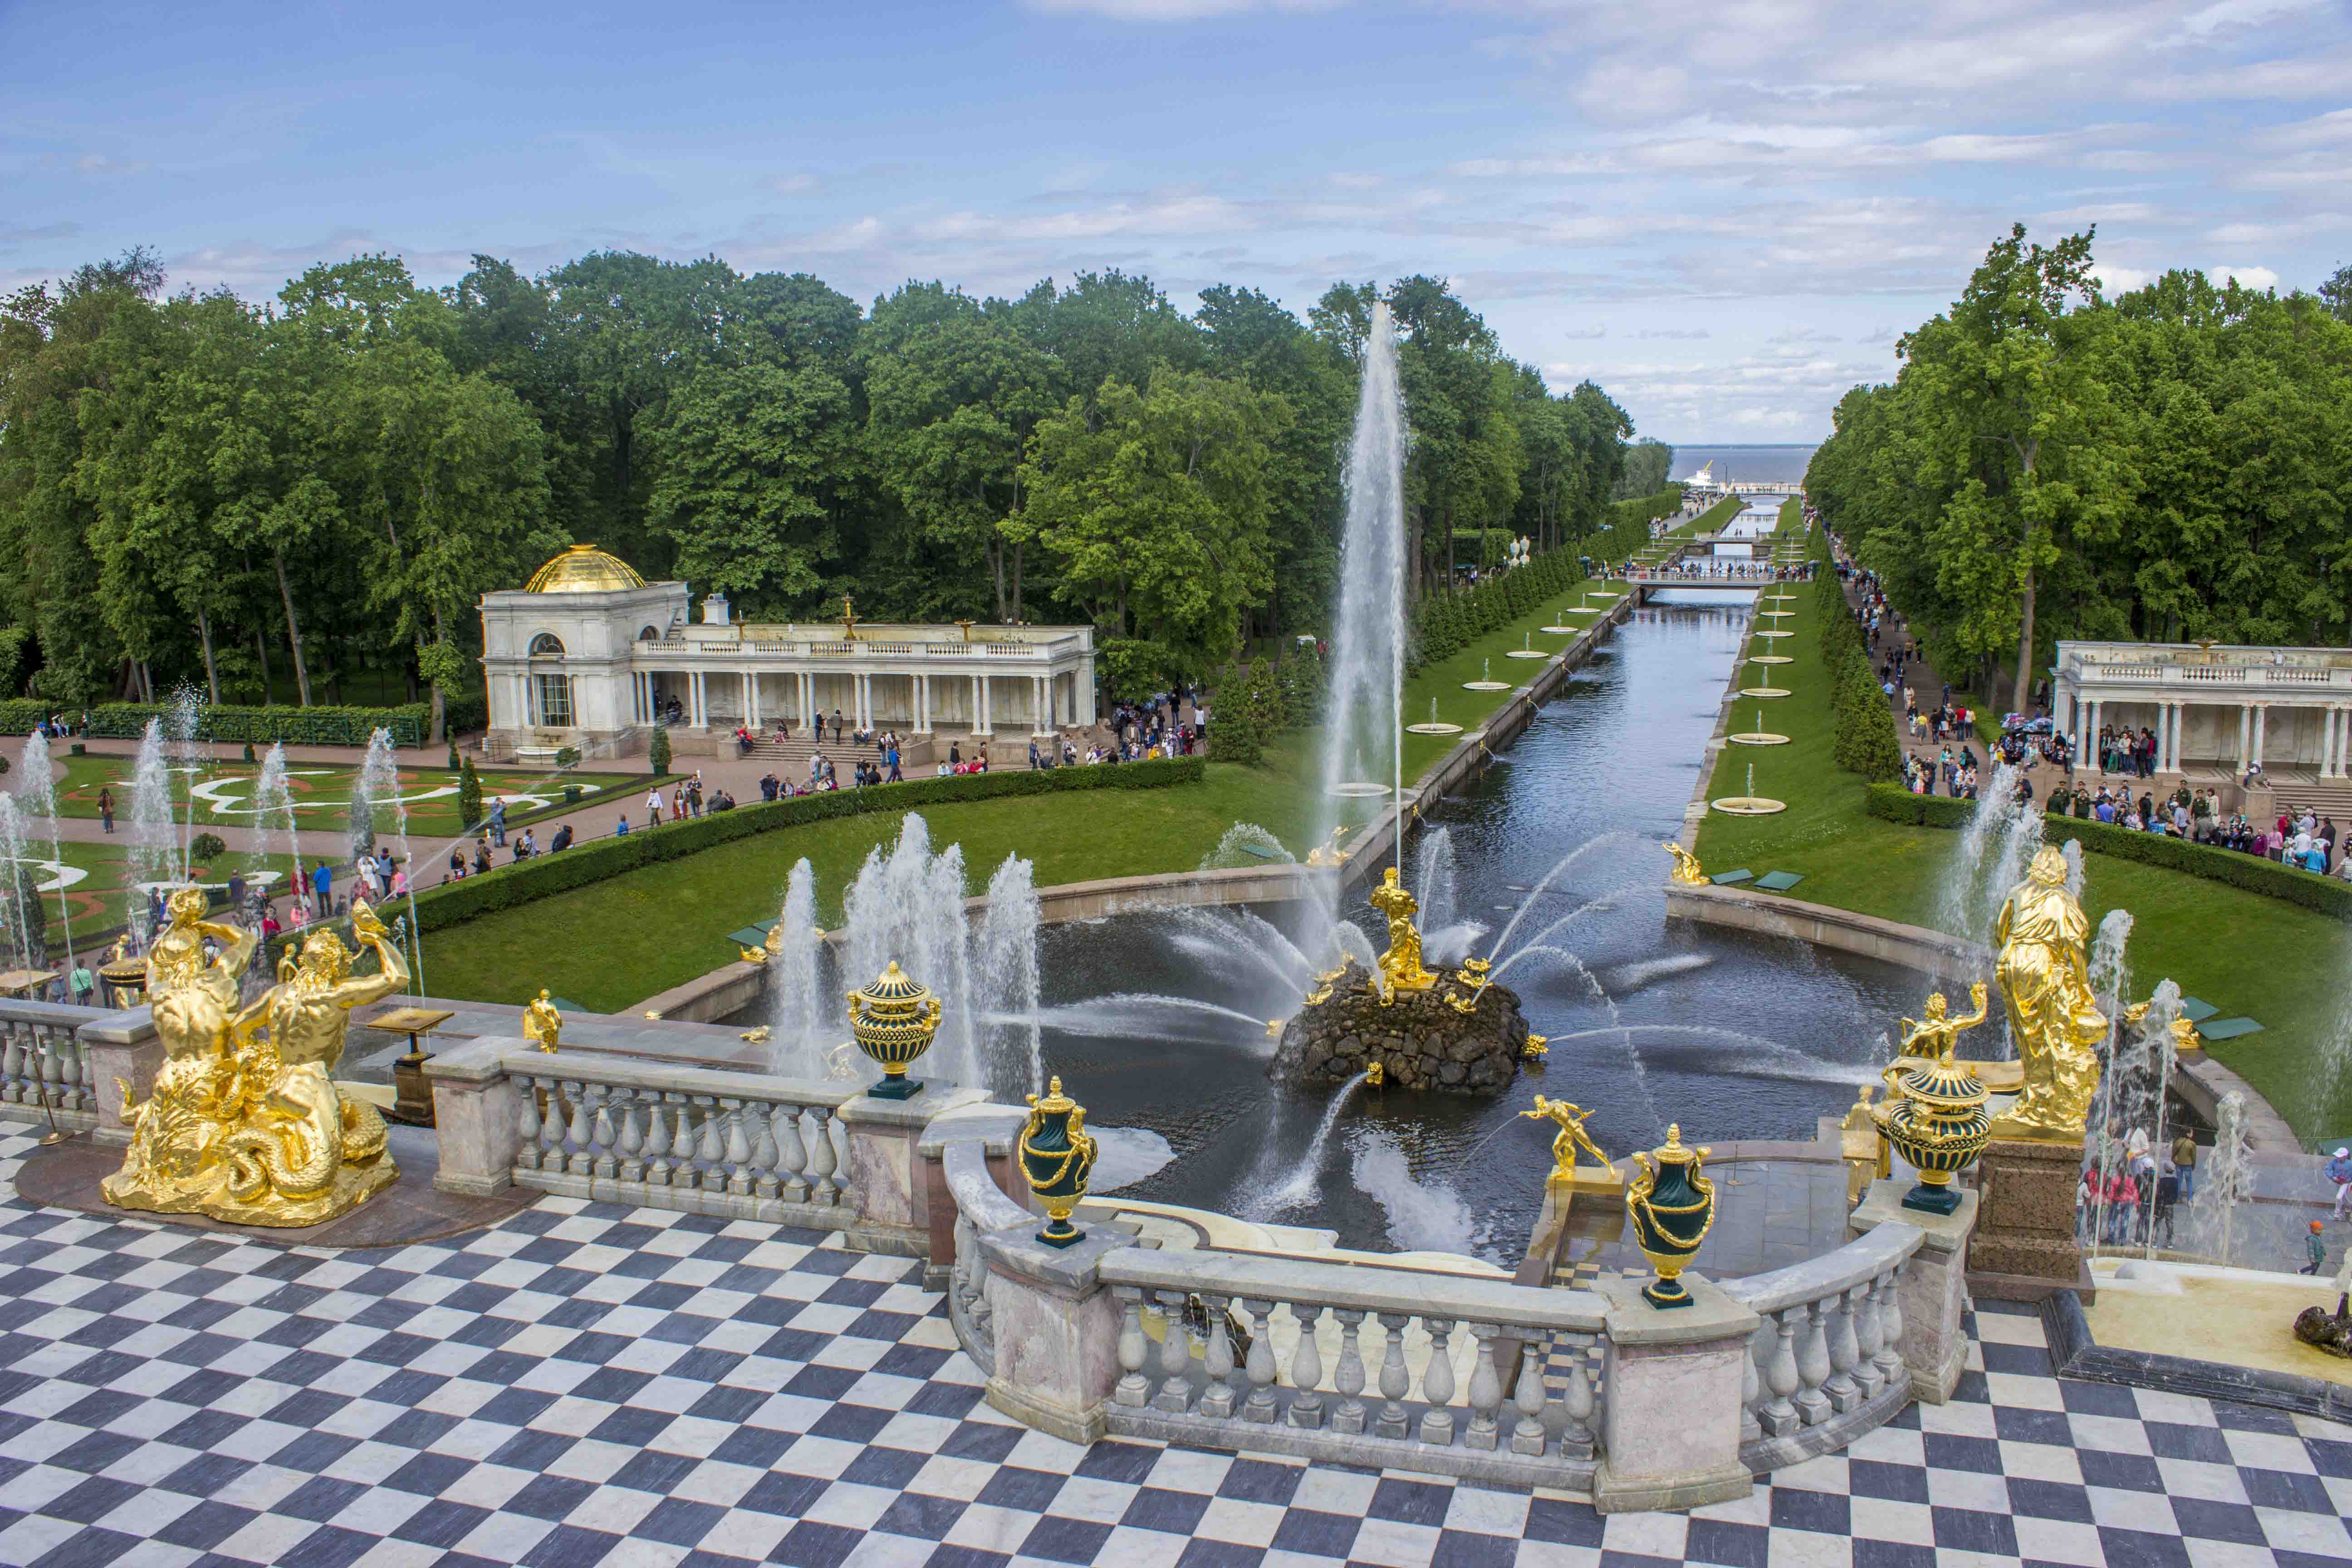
38,792
1300,1186
801,1022
1245,844
1421,1218
377,785
1365,719
1007,977
154,842
19,902
907,905
275,833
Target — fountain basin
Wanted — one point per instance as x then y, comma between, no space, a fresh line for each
1757,738
1749,805
1435,727
1764,691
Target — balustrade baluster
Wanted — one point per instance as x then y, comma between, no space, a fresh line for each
1437,1383
580,1137
606,1164
791,1153
1845,1349
1485,1391
1780,1417
1217,1361
53,1074
711,1147
527,1127
553,1126
822,1162
70,1076
1394,1379
764,1153
1133,1389
1812,1366
1867,1340
682,1173
1307,1368
632,1142
1260,1407
1349,1377
658,1144
1175,1355
1889,1290
12,1070
1528,1437
739,1151
1751,1381
1577,1436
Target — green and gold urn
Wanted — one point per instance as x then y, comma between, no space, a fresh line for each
1935,1116
1058,1156
1673,1206
893,1021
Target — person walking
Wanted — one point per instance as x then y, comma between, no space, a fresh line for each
498,823
622,830
2339,1171
323,880
2314,1245
652,807
106,809
2184,1161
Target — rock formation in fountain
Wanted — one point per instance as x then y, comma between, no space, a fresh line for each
1421,1039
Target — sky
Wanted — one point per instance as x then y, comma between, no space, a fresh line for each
1726,211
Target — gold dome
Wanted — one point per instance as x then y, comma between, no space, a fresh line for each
584,569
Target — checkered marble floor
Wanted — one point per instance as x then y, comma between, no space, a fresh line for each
589,1384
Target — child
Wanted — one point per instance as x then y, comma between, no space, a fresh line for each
2317,1245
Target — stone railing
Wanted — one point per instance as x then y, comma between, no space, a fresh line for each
1825,1364
1595,1391
1215,1379
81,1058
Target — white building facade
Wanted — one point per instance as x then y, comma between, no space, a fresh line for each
2216,709
590,655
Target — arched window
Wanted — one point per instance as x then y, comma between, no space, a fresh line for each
546,644
649,634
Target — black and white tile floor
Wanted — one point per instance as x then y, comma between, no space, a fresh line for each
587,1384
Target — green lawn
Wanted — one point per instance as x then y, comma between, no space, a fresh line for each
2245,954
626,939
321,793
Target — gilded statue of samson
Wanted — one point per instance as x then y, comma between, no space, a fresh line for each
2053,1014
245,1125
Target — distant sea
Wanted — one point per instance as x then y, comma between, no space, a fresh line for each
1762,465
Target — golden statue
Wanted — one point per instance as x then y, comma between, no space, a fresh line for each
543,1026
1377,1075
1401,964
1571,1136
848,621
175,1164
1934,1037
2054,1015
245,1124
1686,872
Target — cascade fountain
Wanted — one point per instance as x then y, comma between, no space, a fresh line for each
276,839
154,853
18,880
1246,844
802,1024
1007,979
379,783
1299,1187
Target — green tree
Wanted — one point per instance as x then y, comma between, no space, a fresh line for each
469,793
657,752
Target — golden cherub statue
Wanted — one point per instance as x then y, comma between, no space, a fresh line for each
2053,1014
1686,872
1401,964
1571,1136
1935,1037
543,1025
1377,1075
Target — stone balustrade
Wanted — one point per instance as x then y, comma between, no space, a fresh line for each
1825,1364
80,1059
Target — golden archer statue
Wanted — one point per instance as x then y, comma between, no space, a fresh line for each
1571,1119
2053,1014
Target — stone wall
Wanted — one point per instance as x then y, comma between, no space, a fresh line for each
1421,1040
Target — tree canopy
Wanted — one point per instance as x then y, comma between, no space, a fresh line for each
276,499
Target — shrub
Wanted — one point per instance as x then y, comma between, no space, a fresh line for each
2307,890
206,847
567,756
469,793
318,726
512,885
657,754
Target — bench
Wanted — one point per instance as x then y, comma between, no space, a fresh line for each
537,756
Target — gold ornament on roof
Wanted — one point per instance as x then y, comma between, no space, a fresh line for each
584,569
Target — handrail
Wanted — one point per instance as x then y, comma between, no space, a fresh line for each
1368,1288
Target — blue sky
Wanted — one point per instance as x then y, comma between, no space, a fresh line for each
1724,211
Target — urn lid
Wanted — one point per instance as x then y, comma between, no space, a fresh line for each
1056,1102
895,994
1673,1151
1944,1083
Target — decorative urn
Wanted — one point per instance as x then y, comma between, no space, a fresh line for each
893,1021
1672,1207
1935,1116
1057,1157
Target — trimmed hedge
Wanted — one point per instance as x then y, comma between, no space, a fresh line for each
599,859
2307,890
1446,623
321,726
1865,740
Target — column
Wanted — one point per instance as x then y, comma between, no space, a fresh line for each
2262,711
800,685
2329,740
701,700
752,698
987,708
2097,712
2245,732
922,705
978,726
2180,733
2164,737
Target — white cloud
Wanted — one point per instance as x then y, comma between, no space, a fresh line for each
2249,277
2113,280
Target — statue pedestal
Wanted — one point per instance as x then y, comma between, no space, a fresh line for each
2024,1248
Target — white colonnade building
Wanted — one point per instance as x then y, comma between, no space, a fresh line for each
591,654
2214,710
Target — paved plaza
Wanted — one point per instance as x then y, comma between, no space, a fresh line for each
585,1383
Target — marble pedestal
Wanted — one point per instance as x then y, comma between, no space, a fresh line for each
2024,1248
1932,1289
1670,1423
122,1049
1057,1330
